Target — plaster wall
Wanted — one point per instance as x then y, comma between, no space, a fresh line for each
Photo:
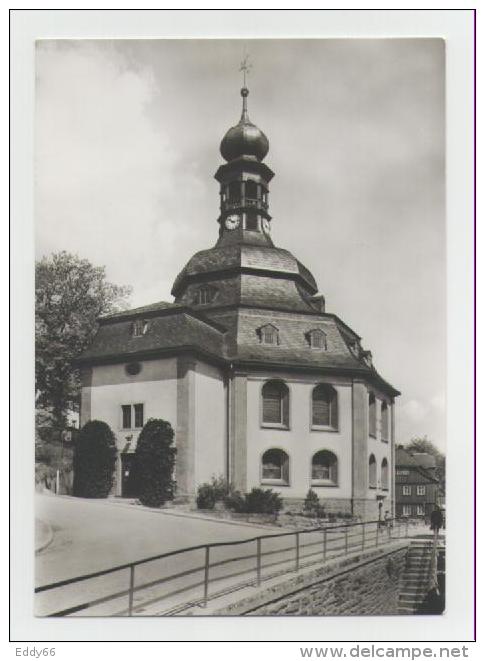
300,442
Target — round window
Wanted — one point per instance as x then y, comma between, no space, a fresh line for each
133,368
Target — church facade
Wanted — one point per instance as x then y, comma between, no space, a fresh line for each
261,384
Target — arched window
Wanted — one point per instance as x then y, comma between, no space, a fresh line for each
275,395
384,474
317,339
251,190
324,468
268,334
372,414
384,422
205,295
372,472
324,406
275,467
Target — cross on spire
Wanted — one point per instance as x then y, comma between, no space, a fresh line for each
245,67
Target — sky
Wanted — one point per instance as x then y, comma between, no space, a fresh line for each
127,143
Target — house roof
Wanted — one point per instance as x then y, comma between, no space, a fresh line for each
406,459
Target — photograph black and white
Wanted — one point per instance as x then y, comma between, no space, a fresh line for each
240,327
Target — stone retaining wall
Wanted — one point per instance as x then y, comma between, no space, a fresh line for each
365,585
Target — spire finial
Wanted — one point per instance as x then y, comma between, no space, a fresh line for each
245,67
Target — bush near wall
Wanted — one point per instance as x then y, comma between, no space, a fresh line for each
94,460
154,463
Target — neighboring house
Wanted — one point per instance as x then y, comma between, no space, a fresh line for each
417,487
260,383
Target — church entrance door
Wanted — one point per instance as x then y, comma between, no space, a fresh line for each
128,487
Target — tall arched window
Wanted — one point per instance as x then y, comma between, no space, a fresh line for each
324,468
251,221
384,474
324,406
384,422
234,191
275,405
372,414
275,467
372,472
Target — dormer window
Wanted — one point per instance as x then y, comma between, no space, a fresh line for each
139,327
205,295
317,339
355,348
268,334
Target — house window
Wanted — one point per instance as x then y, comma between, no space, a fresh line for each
384,474
126,414
384,422
317,339
251,221
406,490
139,327
406,510
275,395
372,414
372,472
402,472
205,295
324,406
268,334
324,468
421,490
275,467
132,413
420,510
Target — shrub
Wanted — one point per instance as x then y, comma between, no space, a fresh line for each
311,503
154,463
263,501
94,460
206,498
235,501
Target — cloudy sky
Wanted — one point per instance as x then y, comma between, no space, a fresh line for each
127,137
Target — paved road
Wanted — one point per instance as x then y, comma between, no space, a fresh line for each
91,535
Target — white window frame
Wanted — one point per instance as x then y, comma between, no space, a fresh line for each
407,490
421,490
420,511
132,405
406,510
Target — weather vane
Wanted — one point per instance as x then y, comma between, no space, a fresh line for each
245,67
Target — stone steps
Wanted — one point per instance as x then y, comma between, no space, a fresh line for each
413,586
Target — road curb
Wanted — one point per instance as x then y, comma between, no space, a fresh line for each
47,535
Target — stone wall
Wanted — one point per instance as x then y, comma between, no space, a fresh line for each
365,585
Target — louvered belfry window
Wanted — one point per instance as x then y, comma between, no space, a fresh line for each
324,406
275,403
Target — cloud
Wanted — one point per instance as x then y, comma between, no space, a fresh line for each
414,410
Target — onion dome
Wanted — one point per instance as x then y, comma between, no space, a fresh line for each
244,139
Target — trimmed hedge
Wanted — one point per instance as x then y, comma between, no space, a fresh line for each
94,460
154,463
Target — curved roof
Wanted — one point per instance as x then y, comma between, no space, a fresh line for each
244,139
245,257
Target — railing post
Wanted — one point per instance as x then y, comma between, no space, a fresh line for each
324,545
297,550
407,527
346,541
258,560
377,532
363,535
130,593
206,575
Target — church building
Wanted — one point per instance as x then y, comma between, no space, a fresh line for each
261,384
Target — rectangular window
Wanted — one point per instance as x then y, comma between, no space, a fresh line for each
406,510
406,490
126,411
420,510
402,472
138,415
421,490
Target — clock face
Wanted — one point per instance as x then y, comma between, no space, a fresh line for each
232,222
266,226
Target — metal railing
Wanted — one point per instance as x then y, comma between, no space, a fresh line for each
264,559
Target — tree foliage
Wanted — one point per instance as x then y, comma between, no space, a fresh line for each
94,460
70,294
154,463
